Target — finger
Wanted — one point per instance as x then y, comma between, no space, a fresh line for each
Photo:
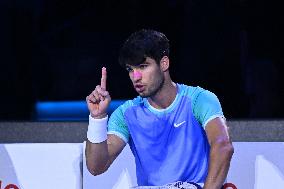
104,78
91,99
101,91
96,95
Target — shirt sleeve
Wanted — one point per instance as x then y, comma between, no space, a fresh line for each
117,125
206,106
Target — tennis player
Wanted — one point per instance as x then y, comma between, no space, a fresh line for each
176,132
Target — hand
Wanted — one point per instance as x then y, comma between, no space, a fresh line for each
99,100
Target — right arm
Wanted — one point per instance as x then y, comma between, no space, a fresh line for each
101,153
99,156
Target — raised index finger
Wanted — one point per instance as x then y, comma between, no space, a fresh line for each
104,78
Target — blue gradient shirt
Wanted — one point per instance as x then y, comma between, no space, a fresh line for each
170,144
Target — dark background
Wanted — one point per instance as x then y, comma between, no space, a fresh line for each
53,50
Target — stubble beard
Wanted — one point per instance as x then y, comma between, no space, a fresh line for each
155,90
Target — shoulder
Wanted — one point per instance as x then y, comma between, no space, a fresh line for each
117,123
129,104
190,91
205,104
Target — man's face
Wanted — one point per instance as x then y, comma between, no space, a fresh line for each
147,78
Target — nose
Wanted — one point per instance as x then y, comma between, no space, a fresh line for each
137,75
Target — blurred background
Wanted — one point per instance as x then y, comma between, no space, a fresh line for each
53,51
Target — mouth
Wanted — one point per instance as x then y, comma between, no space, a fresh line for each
139,88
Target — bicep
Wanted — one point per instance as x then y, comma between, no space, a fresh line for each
217,131
115,146
118,134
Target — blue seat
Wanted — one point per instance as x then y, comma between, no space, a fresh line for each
67,110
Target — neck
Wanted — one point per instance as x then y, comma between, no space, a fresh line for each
165,96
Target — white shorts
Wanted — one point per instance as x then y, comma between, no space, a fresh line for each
174,185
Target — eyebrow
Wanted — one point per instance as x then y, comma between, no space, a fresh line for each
145,62
130,66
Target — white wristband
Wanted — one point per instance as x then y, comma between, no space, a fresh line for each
97,129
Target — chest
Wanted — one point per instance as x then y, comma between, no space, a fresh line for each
144,124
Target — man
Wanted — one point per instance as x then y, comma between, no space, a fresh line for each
176,132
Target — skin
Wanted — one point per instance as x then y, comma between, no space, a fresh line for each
221,151
99,156
153,81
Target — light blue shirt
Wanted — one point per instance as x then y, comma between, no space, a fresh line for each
170,144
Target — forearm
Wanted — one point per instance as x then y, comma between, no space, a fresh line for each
97,157
97,154
219,163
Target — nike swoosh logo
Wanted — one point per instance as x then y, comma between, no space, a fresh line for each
178,124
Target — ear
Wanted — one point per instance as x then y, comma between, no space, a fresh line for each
164,63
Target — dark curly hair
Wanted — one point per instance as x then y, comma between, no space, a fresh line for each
142,44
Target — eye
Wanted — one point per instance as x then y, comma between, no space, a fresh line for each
143,66
129,69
